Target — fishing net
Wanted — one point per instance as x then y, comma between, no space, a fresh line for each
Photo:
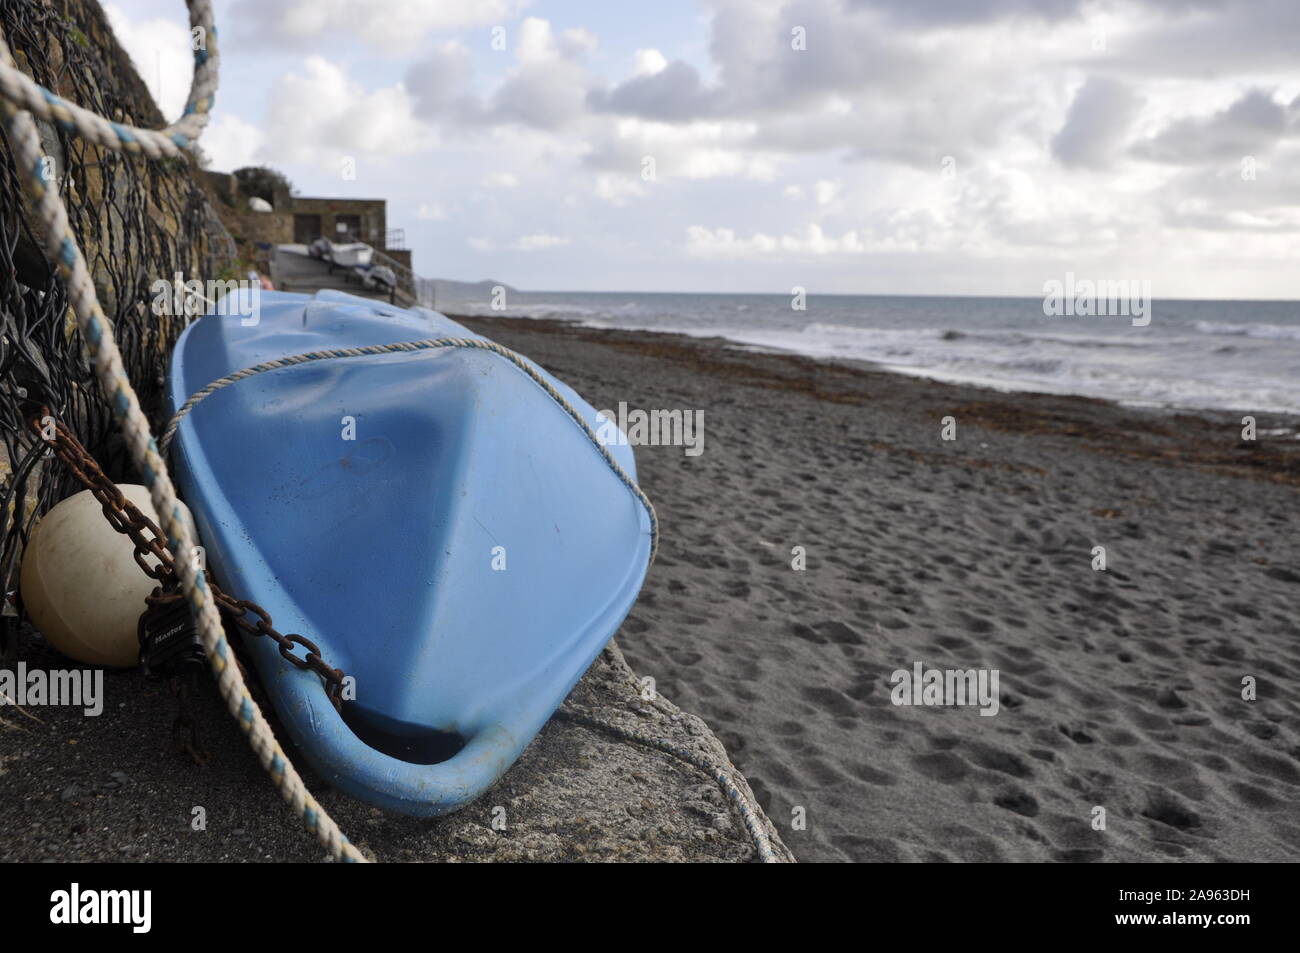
137,221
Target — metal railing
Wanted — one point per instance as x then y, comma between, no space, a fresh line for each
410,287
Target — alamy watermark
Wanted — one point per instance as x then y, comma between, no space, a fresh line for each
181,297
76,688
653,428
1084,297
946,687
133,908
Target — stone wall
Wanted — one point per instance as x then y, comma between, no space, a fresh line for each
370,214
366,218
574,794
136,221
400,255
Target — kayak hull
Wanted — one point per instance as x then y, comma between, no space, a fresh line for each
434,521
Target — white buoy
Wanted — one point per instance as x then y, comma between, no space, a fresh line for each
80,581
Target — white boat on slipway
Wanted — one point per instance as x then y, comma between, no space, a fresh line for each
351,255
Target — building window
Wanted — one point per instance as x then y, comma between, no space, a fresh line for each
348,225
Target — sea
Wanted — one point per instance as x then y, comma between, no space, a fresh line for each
1219,355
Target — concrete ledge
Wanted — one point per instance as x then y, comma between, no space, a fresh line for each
78,788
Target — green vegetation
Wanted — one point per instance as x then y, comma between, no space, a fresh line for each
262,181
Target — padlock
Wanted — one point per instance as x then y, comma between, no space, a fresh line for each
169,642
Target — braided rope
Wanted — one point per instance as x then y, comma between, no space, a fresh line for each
749,811
20,99
425,345
23,92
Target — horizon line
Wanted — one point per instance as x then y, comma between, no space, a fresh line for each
842,294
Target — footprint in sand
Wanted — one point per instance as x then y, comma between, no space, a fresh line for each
995,759
872,775
1019,801
1255,797
835,631
1165,809
941,766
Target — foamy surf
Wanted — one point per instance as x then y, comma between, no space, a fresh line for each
1239,356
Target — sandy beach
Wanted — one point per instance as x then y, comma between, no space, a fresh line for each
959,345
1119,689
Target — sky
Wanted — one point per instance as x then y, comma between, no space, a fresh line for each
945,147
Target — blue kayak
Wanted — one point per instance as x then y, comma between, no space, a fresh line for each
464,556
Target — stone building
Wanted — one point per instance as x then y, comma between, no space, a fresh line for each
298,219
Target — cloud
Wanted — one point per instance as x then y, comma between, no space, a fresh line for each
545,90
440,83
849,50
700,150
1252,125
617,189
231,143
832,156
160,50
1096,124
322,114
825,191
855,87
649,62
538,242
1232,196
387,25
539,97
674,92
948,13
549,87
809,240
1209,39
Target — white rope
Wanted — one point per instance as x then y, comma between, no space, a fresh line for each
20,99
750,813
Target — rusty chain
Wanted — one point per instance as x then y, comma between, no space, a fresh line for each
125,517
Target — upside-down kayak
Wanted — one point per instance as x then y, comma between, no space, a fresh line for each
435,520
